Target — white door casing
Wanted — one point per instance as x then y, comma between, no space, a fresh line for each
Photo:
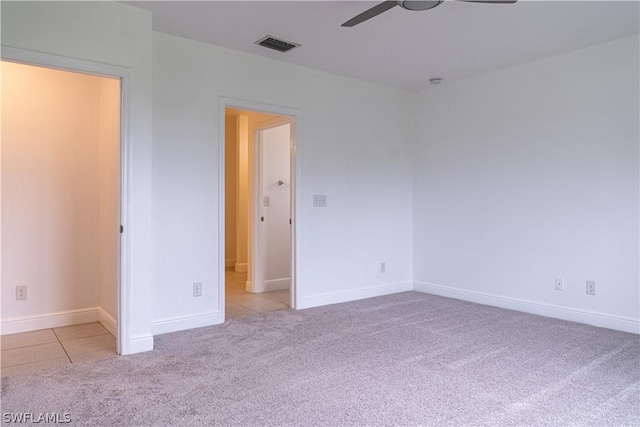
40,59
294,117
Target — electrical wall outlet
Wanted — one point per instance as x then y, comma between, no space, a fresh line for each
591,287
383,267
197,289
21,292
559,284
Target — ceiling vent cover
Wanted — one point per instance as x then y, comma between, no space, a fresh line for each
276,44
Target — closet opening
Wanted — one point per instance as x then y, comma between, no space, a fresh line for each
61,206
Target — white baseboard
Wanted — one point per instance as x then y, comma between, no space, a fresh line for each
138,344
277,284
241,267
625,324
181,323
352,295
229,263
109,323
50,320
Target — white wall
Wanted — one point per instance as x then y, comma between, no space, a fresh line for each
353,147
109,195
49,190
114,34
276,245
529,173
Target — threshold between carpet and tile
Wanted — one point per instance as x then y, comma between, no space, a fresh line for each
401,359
239,302
54,347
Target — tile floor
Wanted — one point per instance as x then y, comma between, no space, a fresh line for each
49,348
239,303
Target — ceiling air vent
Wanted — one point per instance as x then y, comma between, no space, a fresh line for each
276,44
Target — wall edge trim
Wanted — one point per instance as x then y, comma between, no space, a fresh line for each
48,320
181,323
355,294
603,320
109,323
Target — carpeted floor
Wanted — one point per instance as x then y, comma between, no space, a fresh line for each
403,359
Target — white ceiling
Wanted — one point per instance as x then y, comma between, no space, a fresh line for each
400,48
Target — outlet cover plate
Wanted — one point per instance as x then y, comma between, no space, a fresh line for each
559,284
591,287
21,292
197,289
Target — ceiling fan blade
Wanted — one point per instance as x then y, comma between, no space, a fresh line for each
490,1
370,13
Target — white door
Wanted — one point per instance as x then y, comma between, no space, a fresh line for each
274,188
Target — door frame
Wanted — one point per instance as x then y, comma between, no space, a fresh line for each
257,276
56,62
295,119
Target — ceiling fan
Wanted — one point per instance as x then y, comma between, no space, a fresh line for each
409,5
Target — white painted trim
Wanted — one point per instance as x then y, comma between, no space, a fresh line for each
241,267
620,323
230,263
124,74
272,123
277,284
140,344
50,320
181,323
257,266
295,117
355,294
109,323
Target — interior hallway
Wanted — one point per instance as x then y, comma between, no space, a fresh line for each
239,303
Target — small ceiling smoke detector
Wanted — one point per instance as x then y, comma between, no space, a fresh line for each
277,44
435,81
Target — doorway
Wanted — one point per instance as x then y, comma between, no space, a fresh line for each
61,203
258,222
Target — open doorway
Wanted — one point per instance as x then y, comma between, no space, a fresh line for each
258,212
61,203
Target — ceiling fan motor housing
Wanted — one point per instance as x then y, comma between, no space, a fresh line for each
418,4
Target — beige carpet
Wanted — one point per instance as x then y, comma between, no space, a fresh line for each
404,359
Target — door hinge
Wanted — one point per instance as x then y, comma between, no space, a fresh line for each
262,219
121,229
289,221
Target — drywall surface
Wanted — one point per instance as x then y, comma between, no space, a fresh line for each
109,195
531,173
352,145
119,35
50,138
